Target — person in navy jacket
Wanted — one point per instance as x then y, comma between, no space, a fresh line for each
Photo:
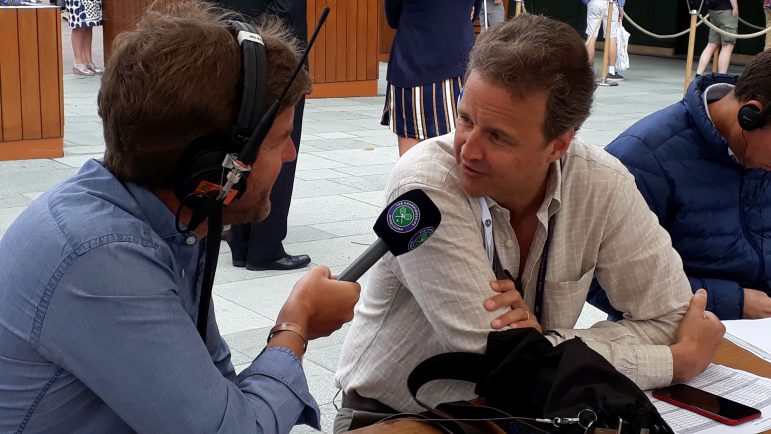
426,67
703,166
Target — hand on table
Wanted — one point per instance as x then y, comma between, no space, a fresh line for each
757,304
697,340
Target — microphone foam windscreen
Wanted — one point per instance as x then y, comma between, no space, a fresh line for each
408,221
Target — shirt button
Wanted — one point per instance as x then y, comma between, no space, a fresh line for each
190,240
509,243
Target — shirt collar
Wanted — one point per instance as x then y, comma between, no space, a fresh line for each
155,212
714,93
552,199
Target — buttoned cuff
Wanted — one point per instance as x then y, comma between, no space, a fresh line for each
281,364
654,366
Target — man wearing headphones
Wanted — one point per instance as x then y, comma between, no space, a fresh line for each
101,277
703,167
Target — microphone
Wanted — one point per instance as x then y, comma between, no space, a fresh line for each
404,224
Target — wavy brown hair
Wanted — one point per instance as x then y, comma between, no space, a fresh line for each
178,77
533,52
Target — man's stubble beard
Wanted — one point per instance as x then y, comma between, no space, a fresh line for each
249,215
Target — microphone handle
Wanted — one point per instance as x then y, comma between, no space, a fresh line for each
364,262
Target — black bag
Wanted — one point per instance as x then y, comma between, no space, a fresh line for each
523,377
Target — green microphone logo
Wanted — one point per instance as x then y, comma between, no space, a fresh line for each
403,216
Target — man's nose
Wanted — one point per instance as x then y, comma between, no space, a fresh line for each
290,152
472,149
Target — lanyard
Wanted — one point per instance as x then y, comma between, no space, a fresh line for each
541,283
492,256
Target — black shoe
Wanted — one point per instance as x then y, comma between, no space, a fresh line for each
615,77
288,262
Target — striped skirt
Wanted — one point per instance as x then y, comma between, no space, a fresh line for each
422,112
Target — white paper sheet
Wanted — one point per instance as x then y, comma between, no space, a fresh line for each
754,335
739,386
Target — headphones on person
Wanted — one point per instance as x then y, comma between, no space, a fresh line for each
203,167
751,118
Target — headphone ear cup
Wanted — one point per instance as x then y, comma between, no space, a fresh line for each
202,162
750,117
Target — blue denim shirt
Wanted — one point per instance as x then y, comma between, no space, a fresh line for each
98,302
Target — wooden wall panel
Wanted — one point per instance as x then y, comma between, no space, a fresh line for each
30,74
386,37
351,40
311,19
331,41
31,96
341,67
318,69
372,37
122,15
10,87
51,96
345,53
361,37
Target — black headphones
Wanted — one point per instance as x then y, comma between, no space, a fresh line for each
752,118
201,168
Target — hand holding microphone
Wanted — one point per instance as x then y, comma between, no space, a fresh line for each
318,304
404,224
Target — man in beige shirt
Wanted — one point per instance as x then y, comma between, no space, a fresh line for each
553,213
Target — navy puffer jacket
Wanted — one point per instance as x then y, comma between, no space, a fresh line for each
717,213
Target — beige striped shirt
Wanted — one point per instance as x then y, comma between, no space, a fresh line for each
429,301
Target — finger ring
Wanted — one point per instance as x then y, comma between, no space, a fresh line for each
528,316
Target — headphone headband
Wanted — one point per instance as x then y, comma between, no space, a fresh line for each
203,160
253,98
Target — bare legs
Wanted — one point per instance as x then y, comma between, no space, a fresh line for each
87,40
405,144
82,39
723,61
725,58
591,42
612,52
79,38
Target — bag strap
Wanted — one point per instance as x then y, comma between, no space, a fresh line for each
445,367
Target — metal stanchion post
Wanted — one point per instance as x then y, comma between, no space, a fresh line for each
484,10
606,50
691,43
517,7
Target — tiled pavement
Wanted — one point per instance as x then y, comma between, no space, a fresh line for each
344,160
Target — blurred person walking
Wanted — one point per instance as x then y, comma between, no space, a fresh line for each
84,15
725,15
425,70
596,17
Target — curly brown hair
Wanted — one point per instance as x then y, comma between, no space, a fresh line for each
533,52
179,77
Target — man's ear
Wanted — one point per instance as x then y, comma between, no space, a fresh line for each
560,144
